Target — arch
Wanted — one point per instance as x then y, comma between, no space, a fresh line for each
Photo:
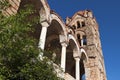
76,48
83,54
72,51
46,8
55,17
71,31
40,5
56,34
80,32
81,37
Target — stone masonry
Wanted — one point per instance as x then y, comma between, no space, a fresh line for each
76,43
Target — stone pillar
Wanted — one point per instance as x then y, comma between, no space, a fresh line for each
63,56
63,42
77,68
42,39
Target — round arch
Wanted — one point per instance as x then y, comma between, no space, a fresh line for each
56,34
71,31
72,51
75,45
41,6
45,11
83,54
80,32
46,8
55,17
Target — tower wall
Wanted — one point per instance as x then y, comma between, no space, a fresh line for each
84,22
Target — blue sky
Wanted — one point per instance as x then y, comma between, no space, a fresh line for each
107,13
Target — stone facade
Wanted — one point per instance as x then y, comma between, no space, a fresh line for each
76,43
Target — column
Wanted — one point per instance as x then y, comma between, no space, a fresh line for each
77,68
63,56
81,38
42,38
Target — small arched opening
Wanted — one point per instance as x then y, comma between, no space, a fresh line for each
79,39
83,60
78,24
83,24
84,40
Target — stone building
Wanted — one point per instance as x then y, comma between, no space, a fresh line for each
76,42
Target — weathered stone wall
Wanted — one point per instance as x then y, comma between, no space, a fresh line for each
85,34
94,67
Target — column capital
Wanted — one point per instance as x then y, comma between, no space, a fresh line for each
45,23
76,53
77,58
63,40
64,44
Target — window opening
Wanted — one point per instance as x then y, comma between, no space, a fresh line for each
74,27
84,40
79,40
78,24
83,24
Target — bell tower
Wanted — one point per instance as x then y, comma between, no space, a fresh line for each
86,31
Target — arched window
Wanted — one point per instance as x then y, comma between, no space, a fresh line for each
78,24
82,67
83,24
74,27
82,70
79,40
84,40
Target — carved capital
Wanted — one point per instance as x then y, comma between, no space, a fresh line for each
45,23
63,40
77,58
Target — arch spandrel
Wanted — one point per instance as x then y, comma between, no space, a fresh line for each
83,54
71,31
46,9
40,5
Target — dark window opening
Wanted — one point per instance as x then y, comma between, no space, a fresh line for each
83,77
74,27
84,40
79,40
83,24
78,24
82,70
